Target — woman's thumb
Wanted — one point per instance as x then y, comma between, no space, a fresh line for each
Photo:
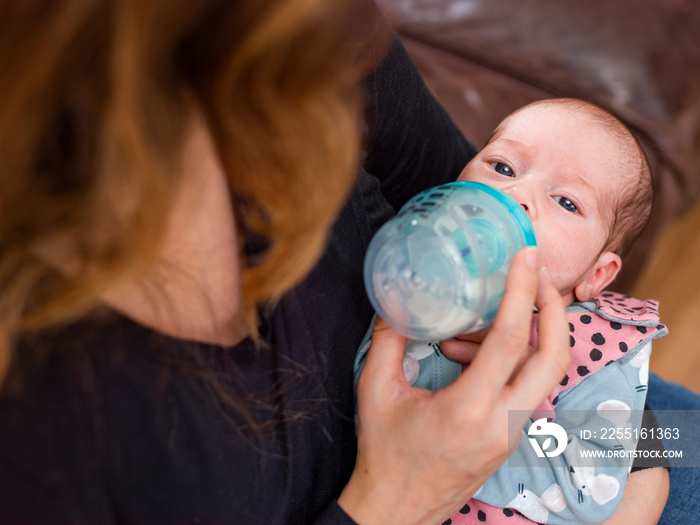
384,362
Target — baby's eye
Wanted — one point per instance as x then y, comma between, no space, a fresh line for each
566,204
503,169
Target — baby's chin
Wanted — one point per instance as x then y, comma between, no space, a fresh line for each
568,295
565,285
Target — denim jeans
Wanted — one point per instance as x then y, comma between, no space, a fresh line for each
683,506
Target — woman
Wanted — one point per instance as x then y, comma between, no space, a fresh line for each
184,221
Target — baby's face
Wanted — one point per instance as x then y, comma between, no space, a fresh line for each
561,167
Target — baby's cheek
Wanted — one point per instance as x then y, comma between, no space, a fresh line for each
565,265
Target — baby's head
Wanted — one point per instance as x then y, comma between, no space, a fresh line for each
584,181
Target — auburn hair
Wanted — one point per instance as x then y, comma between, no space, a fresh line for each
95,98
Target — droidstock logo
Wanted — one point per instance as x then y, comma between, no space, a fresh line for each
542,427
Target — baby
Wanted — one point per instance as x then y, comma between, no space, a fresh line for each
586,185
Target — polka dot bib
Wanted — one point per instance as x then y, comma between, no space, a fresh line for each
610,328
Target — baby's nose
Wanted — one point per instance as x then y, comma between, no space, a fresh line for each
525,207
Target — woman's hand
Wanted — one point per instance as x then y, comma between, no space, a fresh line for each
422,454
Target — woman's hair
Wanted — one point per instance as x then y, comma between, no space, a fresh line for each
95,100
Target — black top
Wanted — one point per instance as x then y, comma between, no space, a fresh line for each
115,426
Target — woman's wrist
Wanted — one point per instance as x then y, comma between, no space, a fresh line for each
361,502
381,500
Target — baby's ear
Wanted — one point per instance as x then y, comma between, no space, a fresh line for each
604,271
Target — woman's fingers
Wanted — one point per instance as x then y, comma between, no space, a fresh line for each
506,343
548,364
384,364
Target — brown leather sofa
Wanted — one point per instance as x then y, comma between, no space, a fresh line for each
639,59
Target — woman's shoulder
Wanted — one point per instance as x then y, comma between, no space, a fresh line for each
58,381
98,416
51,413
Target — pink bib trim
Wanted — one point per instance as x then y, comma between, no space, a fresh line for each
615,328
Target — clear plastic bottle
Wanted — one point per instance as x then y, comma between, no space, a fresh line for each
438,268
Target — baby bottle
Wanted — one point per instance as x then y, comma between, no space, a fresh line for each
438,268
